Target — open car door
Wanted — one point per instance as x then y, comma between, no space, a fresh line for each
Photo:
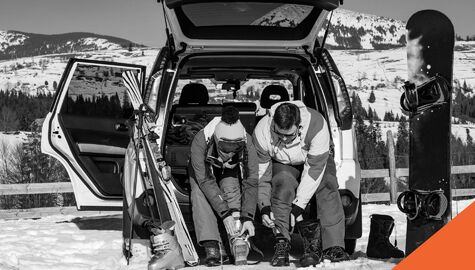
271,25
86,130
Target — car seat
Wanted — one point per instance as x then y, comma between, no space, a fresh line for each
194,93
271,95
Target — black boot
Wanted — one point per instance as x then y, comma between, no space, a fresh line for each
378,240
310,231
281,252
215,254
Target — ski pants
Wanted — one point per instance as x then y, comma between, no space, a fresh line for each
285,180
204,217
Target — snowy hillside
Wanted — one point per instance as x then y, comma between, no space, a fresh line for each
15,44
284,16
39,74
95,242
348,29
10,39
382,71
353,30
386,70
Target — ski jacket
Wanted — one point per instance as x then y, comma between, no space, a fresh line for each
201,148
311,148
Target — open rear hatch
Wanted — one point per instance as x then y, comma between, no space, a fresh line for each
255,24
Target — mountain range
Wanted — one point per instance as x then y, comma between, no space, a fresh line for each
16,44
348,30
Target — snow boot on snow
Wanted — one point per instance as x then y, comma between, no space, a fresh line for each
166,251
281,252
310,231
378,240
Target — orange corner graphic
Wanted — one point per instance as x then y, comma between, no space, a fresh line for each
450,248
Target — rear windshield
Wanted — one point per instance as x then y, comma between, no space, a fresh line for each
247,20
246,13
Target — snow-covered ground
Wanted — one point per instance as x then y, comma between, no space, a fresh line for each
13,138
95,242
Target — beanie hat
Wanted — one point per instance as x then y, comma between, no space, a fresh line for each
226,131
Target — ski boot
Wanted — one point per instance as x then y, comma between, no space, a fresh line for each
310,231
215,253
239,249
378,240
165,248
335,254
281,252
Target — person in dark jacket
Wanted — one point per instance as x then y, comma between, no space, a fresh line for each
224,181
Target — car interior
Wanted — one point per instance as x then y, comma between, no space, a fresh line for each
209,82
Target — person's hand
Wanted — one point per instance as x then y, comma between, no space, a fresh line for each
294,219
230,225
249,227
268,220
267,217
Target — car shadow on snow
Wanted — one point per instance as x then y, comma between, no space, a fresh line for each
100,223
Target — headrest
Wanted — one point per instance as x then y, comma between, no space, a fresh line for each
273,94
194,93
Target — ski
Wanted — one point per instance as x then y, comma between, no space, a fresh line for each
427,99
165,184
158,174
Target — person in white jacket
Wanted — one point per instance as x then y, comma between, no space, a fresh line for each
295,163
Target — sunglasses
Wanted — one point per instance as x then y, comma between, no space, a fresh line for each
290,136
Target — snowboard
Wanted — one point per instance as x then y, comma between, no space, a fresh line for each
427,99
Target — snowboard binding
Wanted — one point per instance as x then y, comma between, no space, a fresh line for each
425,205
417,99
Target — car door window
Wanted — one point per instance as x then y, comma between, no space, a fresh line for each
97,91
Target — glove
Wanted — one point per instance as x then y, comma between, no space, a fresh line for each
247,226
230,222
295,215
267,217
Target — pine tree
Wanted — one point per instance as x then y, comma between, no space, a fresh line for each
402,144
372,97
370,113
469,138
465,88
357,106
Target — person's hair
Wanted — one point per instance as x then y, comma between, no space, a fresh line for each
230,115
286,115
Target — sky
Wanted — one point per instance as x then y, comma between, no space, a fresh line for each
141,21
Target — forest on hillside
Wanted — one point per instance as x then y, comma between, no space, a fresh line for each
26,163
